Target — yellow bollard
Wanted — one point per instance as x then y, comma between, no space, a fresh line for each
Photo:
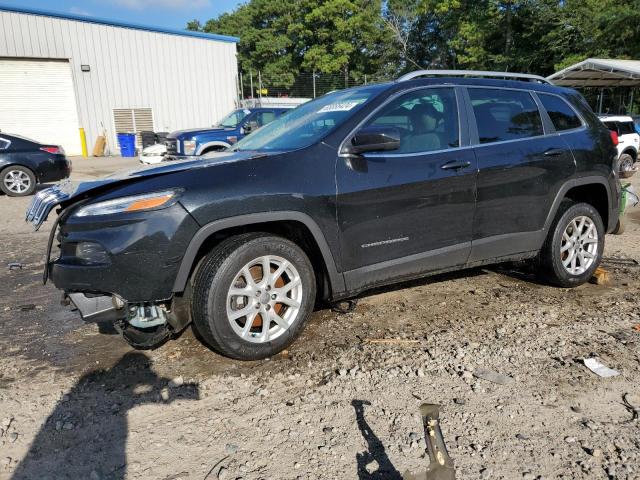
83,143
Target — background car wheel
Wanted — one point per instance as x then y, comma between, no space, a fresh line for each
625,163
574,246
252,295
17,181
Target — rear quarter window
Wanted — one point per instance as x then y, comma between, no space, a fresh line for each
562,115
626,128
4,144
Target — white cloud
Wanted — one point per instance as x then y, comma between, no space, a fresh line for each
79,11
173,4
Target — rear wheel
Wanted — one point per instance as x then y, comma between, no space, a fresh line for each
17,181
625,163
574,246
252,295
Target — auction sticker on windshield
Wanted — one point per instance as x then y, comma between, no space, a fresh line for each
341,106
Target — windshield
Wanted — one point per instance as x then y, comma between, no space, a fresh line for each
233,119
309,122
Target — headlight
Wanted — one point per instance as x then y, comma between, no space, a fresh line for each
189,147
135,203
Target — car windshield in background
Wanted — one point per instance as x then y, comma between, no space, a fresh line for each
233,119
305,125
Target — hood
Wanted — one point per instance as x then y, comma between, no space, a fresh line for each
45,200
196,131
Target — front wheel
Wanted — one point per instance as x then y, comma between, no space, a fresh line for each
574,246
252,295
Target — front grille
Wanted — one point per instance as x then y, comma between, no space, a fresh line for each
172,146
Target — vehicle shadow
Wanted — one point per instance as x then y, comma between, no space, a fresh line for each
375,451
86,435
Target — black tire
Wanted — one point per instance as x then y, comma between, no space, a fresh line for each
30,177
625,163
553,270
620,227
213,279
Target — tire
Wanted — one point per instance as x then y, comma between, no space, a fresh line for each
219,148
625,163
559,250
213,304
620,227
17,181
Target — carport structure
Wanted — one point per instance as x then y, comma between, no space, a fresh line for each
608,84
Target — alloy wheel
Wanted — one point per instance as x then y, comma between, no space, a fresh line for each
579,246
17,181
264,299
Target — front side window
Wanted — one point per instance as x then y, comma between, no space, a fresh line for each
505,114
310,122
234,118
427,120
263,118
562,115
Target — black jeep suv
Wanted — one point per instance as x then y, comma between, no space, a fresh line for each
358,188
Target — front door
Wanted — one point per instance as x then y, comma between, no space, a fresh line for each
408,211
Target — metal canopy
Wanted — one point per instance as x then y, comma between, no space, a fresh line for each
597,72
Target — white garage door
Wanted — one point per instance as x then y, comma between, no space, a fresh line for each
37,101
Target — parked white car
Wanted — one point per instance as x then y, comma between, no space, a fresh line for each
153,154
628,139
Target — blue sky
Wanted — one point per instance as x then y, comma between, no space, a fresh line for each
162,13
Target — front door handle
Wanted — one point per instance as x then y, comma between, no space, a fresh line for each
554,152
455,165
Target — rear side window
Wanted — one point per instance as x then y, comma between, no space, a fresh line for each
626,128
505,114
562,115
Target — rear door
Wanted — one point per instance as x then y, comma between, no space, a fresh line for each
522,163
410,210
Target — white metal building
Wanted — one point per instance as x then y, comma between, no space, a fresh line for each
60,73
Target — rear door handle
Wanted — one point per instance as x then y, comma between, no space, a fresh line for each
455,165
554,152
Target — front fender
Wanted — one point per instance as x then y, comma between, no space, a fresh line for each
336,279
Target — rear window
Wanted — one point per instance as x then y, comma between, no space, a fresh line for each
562,115
505,114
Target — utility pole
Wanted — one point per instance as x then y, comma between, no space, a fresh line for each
259,84
314,83
251,81
241,87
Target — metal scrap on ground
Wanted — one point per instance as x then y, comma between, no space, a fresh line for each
600,369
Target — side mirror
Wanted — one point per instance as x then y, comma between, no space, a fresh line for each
250,126
373,139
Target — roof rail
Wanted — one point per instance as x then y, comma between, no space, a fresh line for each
473,73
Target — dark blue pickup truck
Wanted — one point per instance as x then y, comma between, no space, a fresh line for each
228,131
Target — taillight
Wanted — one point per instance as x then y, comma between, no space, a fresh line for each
51,149
614,138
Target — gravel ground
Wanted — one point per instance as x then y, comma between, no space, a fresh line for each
78,404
